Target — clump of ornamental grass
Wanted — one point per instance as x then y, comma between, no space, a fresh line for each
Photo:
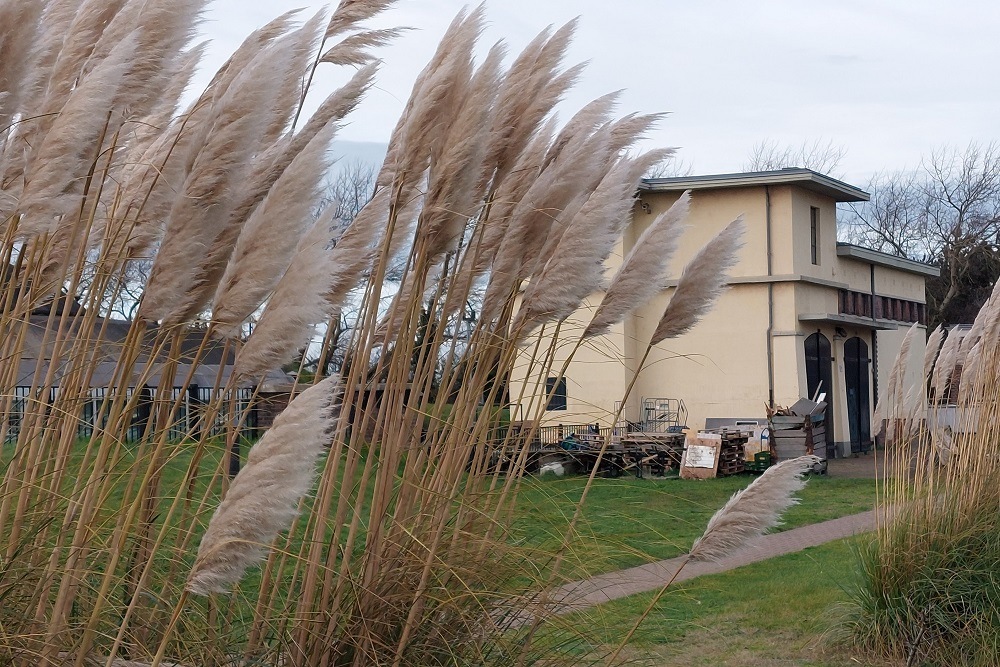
927,592
163,271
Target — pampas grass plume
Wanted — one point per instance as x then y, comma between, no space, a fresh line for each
933,347
264,496
574,267
893,393
945,365
349,13
298,304
200,218
54,179
639,277
269,238
354,254
19,23
354,50
701,283
752,511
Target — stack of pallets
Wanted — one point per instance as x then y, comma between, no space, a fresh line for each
732,460
658,450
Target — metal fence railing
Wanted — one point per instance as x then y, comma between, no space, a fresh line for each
188,412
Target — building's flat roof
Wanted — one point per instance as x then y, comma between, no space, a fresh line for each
885,259
805,178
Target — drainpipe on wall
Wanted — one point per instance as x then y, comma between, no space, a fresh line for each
770,299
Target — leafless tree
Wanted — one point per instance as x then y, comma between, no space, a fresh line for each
119,299
769,155
963,216
893,221
671,168
946,213
350,188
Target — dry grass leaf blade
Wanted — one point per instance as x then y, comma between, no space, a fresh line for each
263,498
752,511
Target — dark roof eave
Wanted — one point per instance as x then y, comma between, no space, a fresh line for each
863,254
805,178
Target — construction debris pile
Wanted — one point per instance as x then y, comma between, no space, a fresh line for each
799,430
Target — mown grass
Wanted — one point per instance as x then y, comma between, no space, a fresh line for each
775,612
628,521
783,611
625,521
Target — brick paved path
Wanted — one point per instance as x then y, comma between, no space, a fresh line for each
613,585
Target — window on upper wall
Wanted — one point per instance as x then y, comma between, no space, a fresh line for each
814,235
557,398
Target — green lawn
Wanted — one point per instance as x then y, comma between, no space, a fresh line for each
630,521
771,610
784,611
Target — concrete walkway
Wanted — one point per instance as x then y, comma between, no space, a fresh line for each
613,585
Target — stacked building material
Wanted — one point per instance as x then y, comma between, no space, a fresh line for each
732,460
799,430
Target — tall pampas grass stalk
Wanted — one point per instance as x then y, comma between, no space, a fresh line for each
264,497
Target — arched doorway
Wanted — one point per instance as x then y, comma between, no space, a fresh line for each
819,375
856,365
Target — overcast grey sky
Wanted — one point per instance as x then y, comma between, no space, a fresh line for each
888,80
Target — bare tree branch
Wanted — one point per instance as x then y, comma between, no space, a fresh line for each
948,214
769,155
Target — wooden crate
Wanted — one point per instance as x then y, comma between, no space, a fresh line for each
792,437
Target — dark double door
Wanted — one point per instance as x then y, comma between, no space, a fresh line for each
856,381
819,376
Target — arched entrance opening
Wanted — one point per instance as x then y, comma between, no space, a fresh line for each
819,375
856,380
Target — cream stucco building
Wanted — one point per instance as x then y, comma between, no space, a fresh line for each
801,310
